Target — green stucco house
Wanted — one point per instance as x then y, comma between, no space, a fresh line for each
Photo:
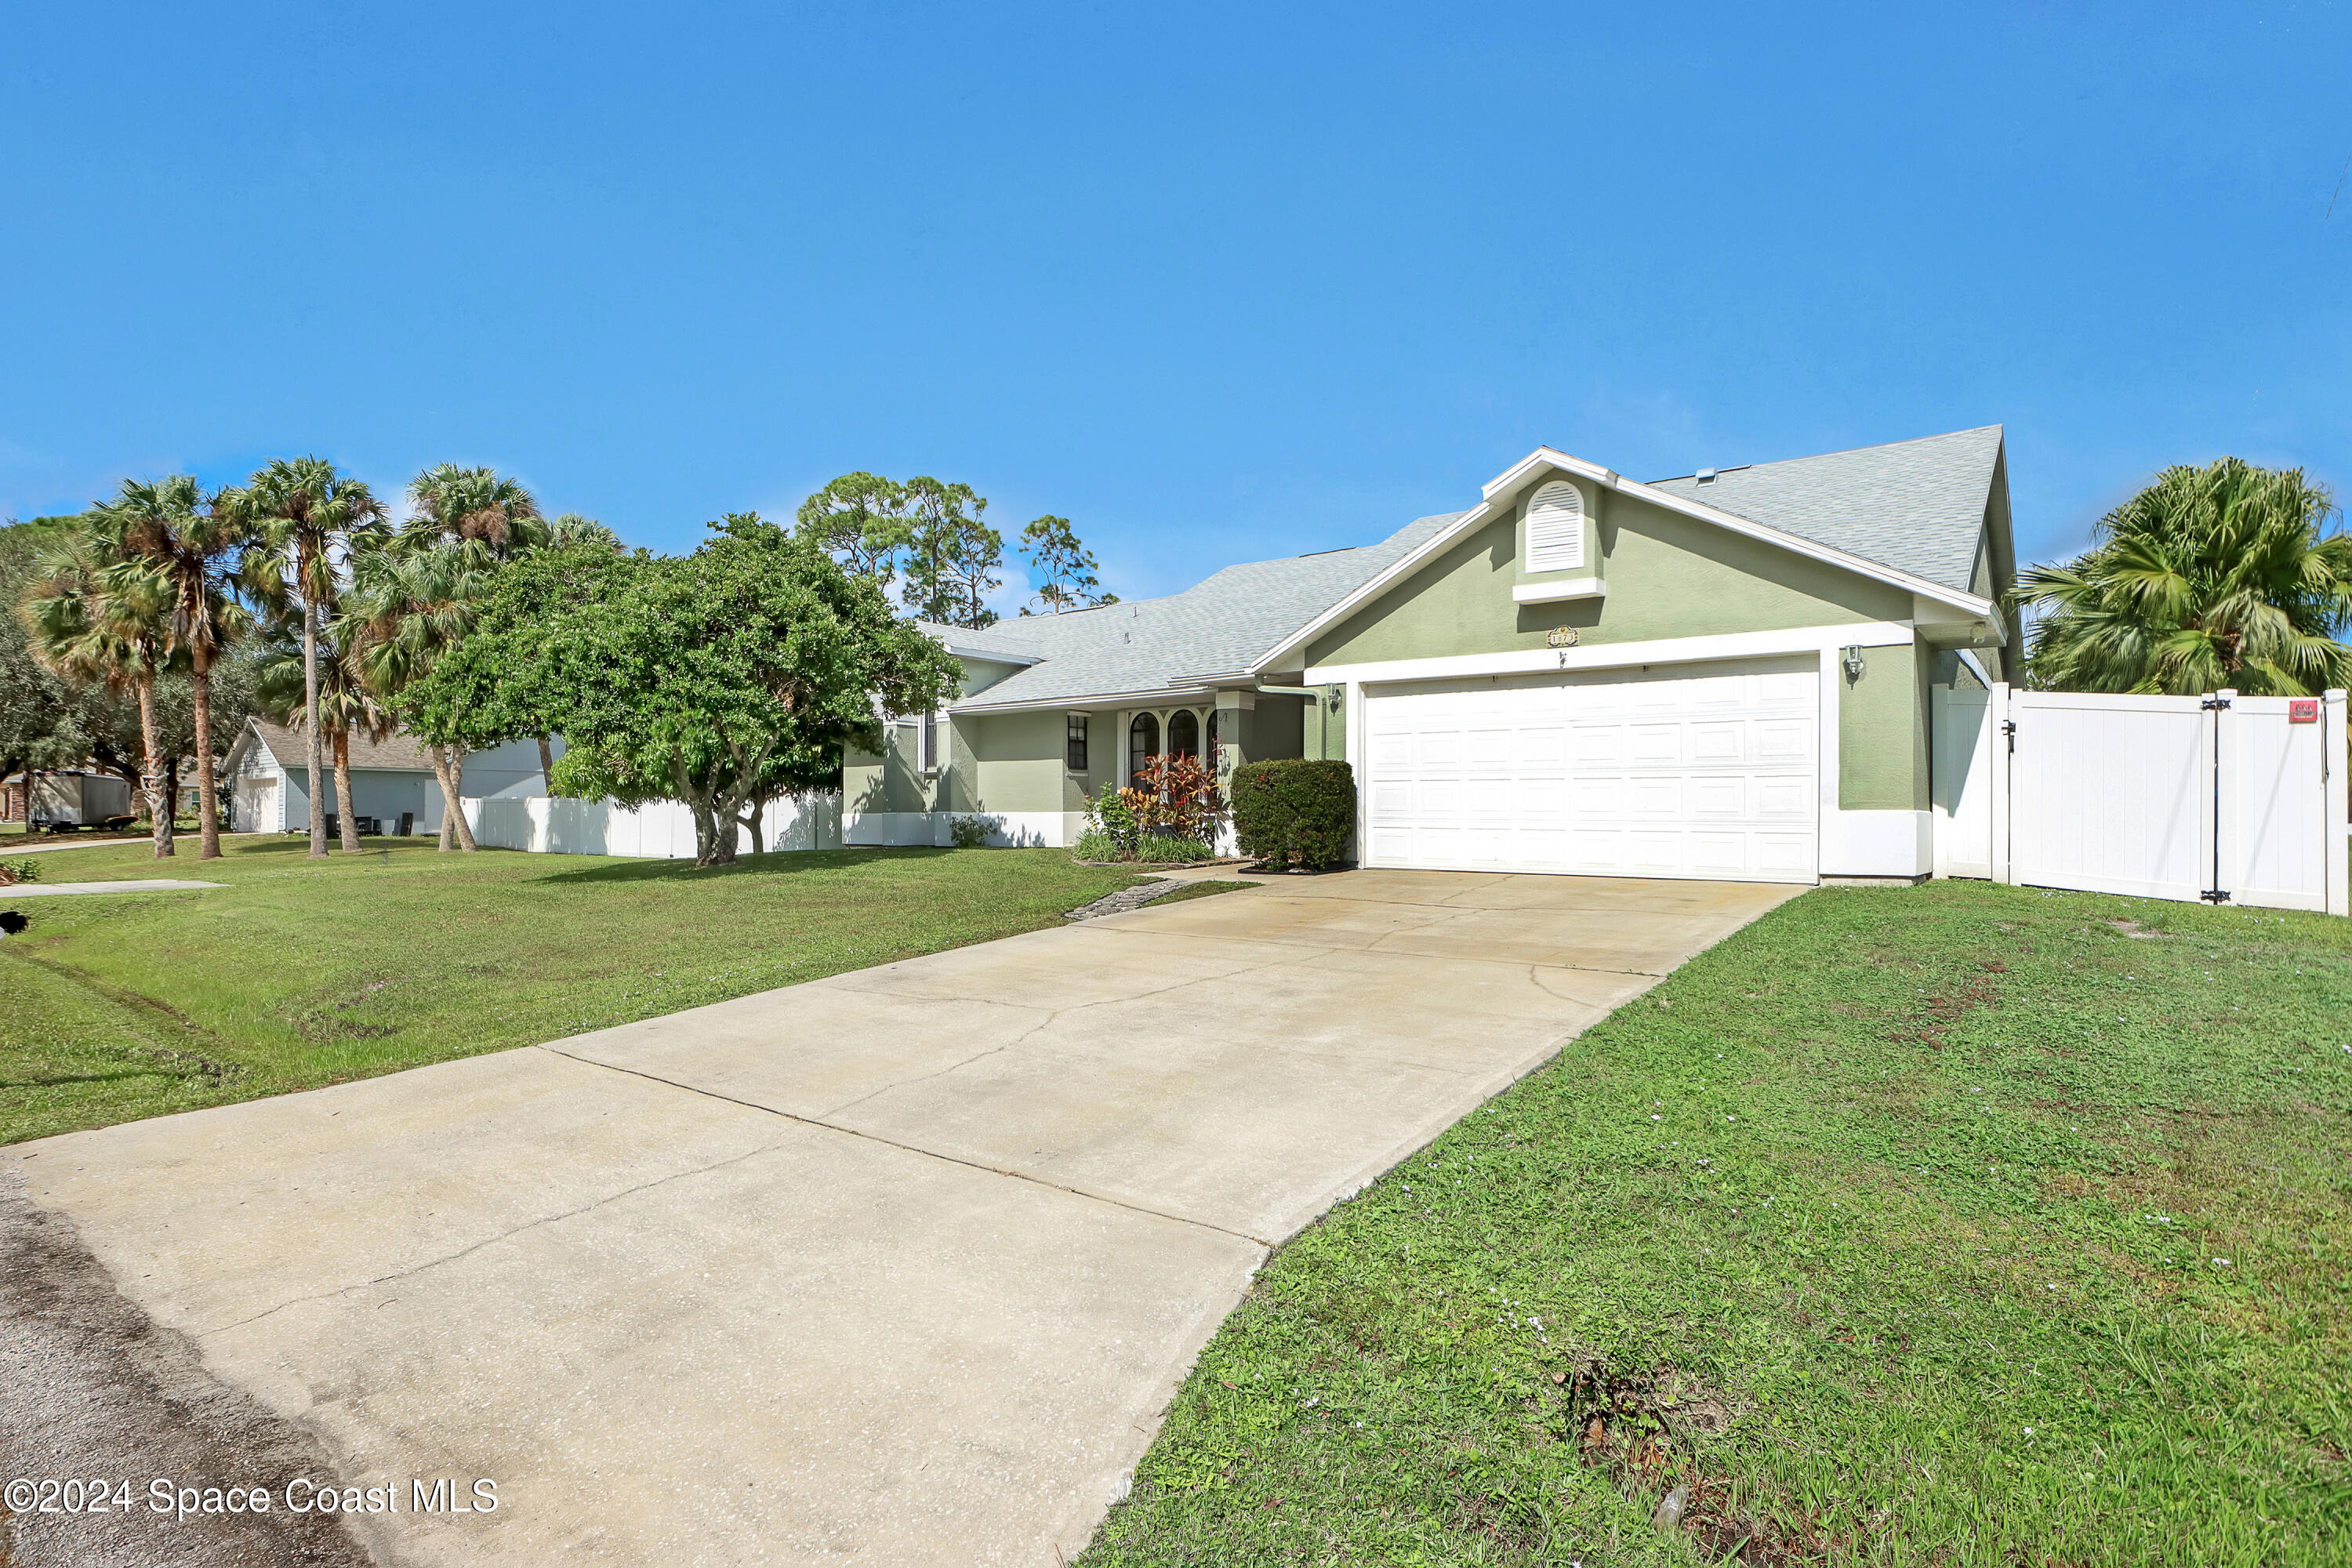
1727,674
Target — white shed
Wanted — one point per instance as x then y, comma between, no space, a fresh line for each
392,786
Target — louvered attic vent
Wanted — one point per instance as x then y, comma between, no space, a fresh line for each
1555,528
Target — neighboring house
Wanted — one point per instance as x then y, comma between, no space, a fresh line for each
80,795
1725,675
268,779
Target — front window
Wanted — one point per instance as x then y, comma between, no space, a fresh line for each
1184,733
1077,742
1142,743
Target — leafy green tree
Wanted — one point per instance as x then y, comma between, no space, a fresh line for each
716,679
41,716
307,521
102,619
953,557
1066,567
190,542
2211,578
861,521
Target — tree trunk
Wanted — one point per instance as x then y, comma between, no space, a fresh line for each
451,812
172,798
458,793
200,686
547,764
316,742
153,781
346,820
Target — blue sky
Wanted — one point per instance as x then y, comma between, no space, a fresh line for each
1215,283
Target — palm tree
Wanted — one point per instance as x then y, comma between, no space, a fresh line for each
306,519
408,603
487,521
2211,578
97,616
190,541
345,707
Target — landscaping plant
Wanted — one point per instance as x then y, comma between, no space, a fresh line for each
1295,810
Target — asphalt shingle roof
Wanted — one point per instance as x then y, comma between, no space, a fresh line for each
399,753
1217,627
1917,506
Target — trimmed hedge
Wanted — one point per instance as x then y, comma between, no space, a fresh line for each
1293,808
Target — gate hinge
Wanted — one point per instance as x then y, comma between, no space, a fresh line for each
2213,703
2215,895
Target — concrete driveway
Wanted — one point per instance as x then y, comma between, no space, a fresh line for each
901,1265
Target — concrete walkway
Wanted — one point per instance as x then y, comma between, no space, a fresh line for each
52,889
901,1265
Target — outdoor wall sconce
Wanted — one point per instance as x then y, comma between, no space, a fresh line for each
1331,696
1853,665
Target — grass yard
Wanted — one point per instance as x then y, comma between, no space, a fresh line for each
302,972
1958,1224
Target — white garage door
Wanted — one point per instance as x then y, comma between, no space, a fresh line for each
1687,770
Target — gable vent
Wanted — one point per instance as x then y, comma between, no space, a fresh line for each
1555,528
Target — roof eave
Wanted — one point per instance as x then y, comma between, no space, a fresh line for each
1513,479
1149,697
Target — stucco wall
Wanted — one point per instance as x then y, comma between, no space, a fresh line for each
1883,732
1668,576
1017,761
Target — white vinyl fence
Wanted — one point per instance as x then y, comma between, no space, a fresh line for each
2222,798
545,824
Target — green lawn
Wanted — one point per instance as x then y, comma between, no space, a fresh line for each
301,972
1954,1225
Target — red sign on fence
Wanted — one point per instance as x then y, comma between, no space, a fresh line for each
2302,710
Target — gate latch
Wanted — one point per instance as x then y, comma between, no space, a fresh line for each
2009,728
2215,895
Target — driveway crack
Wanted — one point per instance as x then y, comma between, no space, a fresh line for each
473,1247
918,1149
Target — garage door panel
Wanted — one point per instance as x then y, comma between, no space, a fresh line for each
1784,740
1718,797
1784,797
1655,796
1667,773
1655,745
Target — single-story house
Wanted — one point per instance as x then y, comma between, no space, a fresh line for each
268,779
1726,674
83,796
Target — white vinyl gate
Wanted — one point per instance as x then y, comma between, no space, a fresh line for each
2224,798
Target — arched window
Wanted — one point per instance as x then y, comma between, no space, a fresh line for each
1555,528
1184,733
1142,743
1213,758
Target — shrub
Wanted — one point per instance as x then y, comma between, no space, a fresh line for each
1294,809
1161,846
970,832
14,871
1112,816
1093,844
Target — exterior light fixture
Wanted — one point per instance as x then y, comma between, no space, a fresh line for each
1853,665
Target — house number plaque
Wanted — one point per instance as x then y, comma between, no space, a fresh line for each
1562,636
